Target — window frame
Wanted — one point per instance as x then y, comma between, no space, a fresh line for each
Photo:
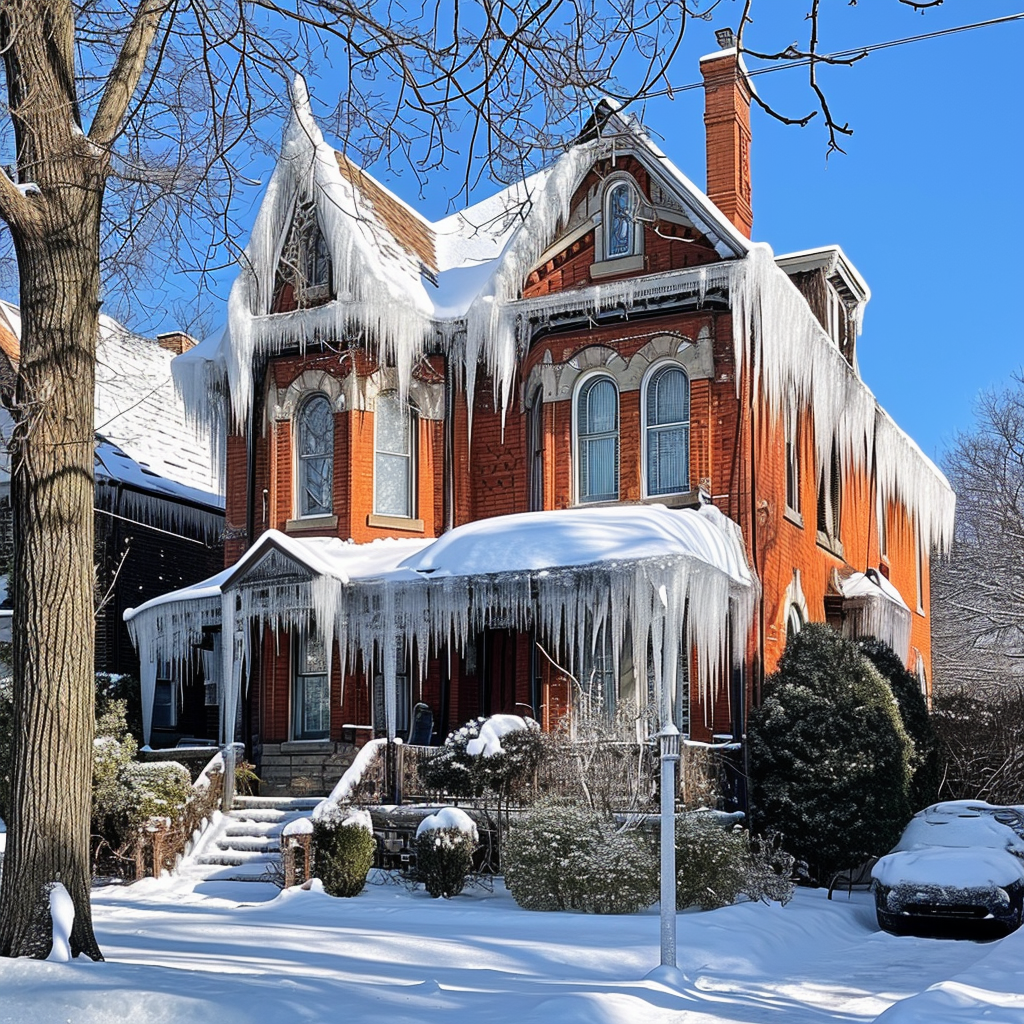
791,449
647,428
830,501
632,247
299,732
302,510
535,450
585,384
411,425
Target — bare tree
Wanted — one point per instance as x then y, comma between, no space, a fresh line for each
978,592
131,126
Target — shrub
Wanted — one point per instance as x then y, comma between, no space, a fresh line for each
455,771
343,850
156,789
113,751
715,864
561,857
444,857
913,708
711,862
829,757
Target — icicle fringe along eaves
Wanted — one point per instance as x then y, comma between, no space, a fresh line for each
663,599
383,302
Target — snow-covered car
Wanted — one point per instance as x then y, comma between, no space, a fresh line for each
958,863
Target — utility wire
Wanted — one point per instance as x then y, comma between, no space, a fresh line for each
785,64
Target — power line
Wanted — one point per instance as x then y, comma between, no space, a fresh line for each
785,65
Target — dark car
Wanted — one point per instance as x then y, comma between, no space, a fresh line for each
958,868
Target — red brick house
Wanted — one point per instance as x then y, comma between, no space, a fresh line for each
585,430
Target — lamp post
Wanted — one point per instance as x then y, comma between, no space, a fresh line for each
669,740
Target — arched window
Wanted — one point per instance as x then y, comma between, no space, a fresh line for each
535,451
394,492
316,456
620,221
667,431
794,621
597,436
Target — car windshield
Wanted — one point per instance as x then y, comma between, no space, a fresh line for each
959,831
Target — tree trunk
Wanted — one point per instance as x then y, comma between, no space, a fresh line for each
52,497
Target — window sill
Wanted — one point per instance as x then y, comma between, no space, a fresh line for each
311,523
623,265
395,523
833,545
791,515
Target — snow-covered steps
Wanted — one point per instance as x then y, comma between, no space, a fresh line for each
245,843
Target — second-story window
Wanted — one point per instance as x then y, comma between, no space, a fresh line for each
792,460
830,496
316,456
394,493
597,437
620,221
667,431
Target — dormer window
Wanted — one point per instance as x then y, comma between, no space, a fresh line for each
836,316
621,221
304,269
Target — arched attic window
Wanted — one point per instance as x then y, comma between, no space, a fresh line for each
315,456
304,269
667,431
620,225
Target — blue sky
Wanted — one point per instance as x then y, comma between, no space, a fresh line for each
926,202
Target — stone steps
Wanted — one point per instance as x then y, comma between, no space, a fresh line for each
245,843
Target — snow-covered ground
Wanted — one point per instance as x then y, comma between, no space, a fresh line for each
234,953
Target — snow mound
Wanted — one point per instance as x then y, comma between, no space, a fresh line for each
448,817
488,742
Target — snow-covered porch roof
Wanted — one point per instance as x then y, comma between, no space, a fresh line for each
565,573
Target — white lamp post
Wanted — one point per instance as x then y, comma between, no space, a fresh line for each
669,737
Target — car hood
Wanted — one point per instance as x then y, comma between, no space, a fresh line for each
949,867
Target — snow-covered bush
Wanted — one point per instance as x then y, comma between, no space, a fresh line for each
711,861
716,863
343,849
829,757
156,789
561,857
113,751
444,851
500,754
913,708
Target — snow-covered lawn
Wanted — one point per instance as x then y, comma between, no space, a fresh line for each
232,952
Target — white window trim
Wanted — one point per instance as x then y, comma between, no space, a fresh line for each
413,424
581,383
297,488
648,377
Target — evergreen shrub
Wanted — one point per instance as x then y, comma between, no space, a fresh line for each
343,851
561,857
913,708
829,757
444,857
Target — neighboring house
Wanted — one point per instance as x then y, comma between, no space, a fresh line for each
642,441
159,516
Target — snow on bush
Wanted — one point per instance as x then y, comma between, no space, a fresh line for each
444,853
500,753
829,757
343,850
716,863
561,857
449,817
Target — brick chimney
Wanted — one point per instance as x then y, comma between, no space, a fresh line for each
727,130
176,341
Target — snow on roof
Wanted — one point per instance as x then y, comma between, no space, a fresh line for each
874,607
138,412
614,534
